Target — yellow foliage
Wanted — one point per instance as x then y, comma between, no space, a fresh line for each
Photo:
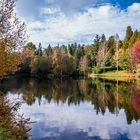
8,60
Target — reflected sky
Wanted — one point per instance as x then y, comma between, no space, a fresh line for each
78,109
76,122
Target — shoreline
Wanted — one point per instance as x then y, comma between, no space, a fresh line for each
113,75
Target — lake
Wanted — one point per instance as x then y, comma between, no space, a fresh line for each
78,109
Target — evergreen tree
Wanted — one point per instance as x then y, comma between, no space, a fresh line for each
49,50
111,44
39,51
138,37
79,52
97,42
128,35
64,48
103,38
133,39
72,48
95,48
111,48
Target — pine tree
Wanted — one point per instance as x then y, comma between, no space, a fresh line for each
133,39
103,38
128,36
49,50
39,51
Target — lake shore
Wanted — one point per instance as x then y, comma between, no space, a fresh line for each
114,75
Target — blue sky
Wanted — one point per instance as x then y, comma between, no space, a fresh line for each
66,21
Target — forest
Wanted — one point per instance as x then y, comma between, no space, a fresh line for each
104,54
76,59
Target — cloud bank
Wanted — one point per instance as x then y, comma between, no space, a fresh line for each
57,27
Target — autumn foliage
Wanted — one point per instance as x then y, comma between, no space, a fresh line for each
12,38
136,52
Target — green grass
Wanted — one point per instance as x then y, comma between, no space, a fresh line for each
114,75
120,74
98,70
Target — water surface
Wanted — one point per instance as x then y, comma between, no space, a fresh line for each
78,109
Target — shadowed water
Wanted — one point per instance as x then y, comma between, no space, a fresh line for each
78,109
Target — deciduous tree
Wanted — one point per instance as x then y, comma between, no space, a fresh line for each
83,65
12,37
136,52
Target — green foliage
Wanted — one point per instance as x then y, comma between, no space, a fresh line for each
41,65
63,64
25,67
39,50
68,65
133,39
49,50
138,71
72,48
97,41
128,36
59,60
94,50
98,70
129,33
30,46
111,43
79,52
125,61
104,54
103,38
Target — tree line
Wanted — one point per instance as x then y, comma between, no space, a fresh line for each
102,55
76,59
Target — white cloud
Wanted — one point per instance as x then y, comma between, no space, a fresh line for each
50,10
81,27
135,7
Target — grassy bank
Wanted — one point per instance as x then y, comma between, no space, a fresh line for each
114,75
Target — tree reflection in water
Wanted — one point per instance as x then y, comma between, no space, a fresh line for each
103,94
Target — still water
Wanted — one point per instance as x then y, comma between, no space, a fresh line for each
78,109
